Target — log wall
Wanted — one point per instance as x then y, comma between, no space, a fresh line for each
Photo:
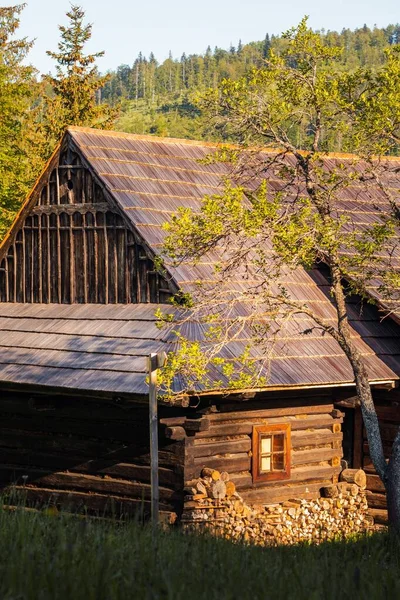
315,455
83,454
387,405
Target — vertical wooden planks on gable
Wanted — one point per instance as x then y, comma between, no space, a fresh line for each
120,233
19,267
79,258
27,260
39,261
89,235
34,265
73,248
111,257
46,258
131,267
65,258
101,259
53,258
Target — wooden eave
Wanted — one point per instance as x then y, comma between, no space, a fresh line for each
189,399
245,394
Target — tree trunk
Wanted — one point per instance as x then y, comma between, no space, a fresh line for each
369,415
389,473
392,485
361,379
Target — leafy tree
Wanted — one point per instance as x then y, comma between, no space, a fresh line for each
372,102
266,234
77,84
20,139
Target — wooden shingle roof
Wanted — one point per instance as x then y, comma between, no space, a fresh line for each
89,347
102,348
152,177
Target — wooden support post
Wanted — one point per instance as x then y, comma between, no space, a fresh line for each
155,361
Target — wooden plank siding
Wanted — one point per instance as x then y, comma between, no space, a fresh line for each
84,454
316,446
74,247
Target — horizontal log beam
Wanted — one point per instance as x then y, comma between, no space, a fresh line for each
223,447
380,516
376,500
266,413
299,439
315,455
286,492
237,428
89,483
375,484
81,502
70,209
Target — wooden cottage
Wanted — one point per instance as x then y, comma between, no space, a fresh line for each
78,296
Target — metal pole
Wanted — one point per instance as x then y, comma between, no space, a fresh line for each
153,437
155,361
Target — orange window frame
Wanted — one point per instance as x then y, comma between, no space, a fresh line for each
273,431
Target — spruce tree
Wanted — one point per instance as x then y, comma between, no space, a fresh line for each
266,46
77,83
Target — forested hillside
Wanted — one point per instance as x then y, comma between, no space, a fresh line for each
143,96
159,98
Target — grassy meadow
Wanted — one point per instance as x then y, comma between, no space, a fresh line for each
45,557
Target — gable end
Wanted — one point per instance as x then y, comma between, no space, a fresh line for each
71,244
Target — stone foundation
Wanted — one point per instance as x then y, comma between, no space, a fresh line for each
342,514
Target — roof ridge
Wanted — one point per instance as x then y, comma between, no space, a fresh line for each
170,140
145,137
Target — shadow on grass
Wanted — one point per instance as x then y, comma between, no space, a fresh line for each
60,556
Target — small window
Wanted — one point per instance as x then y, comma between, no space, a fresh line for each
271,452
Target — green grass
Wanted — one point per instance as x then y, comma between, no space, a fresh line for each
52,557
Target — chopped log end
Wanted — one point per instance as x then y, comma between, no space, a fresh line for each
201,488
341,510
168,518
230,488
219,490
206,472
330,491
225,476
295,521
356,476
199,496
175,433
351,488
215,475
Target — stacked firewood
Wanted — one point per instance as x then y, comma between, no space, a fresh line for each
213,504
212,485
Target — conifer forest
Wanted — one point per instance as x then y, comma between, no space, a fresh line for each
143,96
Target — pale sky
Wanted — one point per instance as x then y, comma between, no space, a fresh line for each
124,27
